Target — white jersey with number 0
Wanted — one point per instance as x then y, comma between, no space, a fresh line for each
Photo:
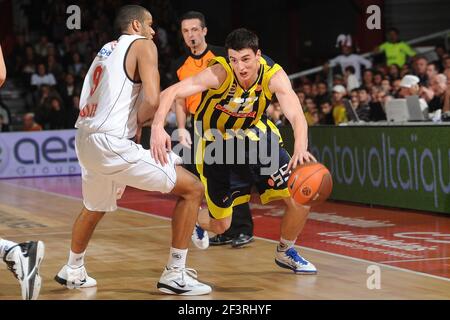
117,97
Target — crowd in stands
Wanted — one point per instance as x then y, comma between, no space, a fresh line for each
49,62
370,86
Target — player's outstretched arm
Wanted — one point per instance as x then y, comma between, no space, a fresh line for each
211,77
2,68
291,108
147,64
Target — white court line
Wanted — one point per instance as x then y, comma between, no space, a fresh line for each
269,240
413,260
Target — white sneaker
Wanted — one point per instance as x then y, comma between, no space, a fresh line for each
200,238
75,278
24,260
290,259
182,281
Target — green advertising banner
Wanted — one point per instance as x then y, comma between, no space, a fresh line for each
401,166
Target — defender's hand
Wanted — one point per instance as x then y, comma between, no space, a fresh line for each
160,144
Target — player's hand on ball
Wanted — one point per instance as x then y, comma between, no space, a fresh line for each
300,157
160,144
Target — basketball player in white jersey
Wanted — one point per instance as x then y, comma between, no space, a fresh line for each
23,259
123,85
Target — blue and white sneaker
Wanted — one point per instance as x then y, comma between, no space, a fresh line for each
290,259
200,237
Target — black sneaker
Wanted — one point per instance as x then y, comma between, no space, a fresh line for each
241,240
219,240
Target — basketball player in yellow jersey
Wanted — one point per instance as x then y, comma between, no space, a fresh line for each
235,96
194,30
22,259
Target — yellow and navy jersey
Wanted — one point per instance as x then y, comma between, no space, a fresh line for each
232,107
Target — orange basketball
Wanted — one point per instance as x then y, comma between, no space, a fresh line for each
310,184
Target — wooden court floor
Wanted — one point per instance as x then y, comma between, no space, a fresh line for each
129,250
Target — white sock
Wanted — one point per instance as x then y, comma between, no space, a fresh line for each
4,246
177,258
76,260
285,245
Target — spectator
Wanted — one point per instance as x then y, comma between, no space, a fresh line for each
301,96
338,80
368,79
440,52
322,93
354,98
29,64
350,78
432,70
311,112
396,51
56,116
314,90
339,112
42,77
43,105
53,67
348,58
73,111
41,48
377,78
405,70
29,124
386,85
326,113
446,62
420,70
447,75
363,108
307,89
409,86
396,88
76,65
394,72
69,89
438,86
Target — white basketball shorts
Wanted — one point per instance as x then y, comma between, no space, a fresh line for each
109,164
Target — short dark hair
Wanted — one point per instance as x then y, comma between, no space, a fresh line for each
242,39
436,65
393,29
127,14
363,88
194,15
350,69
